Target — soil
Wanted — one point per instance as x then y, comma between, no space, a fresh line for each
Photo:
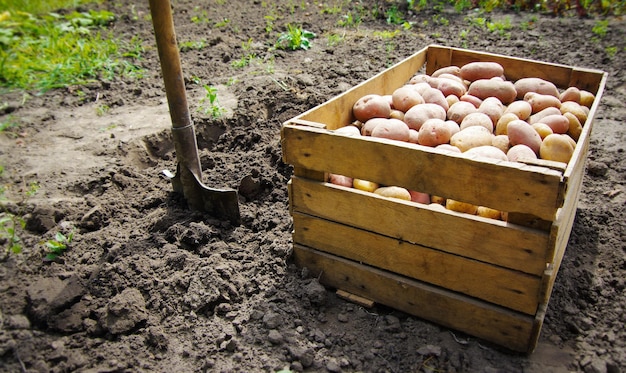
149,285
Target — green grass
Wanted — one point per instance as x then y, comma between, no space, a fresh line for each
42,52
39,6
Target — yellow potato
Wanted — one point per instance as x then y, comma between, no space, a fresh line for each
368,186
576,109
575,127
542,129
503,122
490,213
521,109
459,206
471,137
586,98
557,147
394,192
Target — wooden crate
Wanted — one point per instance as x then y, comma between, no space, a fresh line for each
488,278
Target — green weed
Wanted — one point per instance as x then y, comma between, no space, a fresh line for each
12,223
199,15
295,38
394,16
57,246
212,105
53,51
333,39
350,20
600,28
223,23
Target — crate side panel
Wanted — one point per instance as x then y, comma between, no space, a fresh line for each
496,324
478,238
508,288
337,112
506,186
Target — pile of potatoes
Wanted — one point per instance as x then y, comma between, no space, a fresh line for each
474,110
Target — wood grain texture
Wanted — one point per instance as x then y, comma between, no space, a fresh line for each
502,185
496,324
505,287
482,239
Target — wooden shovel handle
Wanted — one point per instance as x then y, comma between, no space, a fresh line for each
169,56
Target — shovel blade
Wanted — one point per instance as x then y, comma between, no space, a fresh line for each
219,203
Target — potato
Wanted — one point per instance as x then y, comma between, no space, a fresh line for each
368,186
520,132
575,127
477,119
501,142
419,197
542,129
452,99
454,128
576,109
450,87
487,151
586,98
503,122
557,122
494,87
557,147
487,212
340,180
418,114
472,100
538,101
493,108
481,70
520,152
368,127
570,94
453,70
421,87
537,85
437,200
435,96
394,192
406,97
371,106
543,113
471,137
448,148
433,132
458,206
521,109
396,114
413,136
459,110
392,129
349,130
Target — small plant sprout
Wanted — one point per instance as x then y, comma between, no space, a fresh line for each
295,38
600,28
213,106
12,222
57,246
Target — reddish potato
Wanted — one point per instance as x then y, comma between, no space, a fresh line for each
570,94
557,122
481,70
435,96
434,132
493,108
349,130
459,110
520,132
452,70
340,180
543,113
477,119
448,148
371,106
520,152
368,127
406,97
472,100
537,85
502,90
392,129
419,197
413,136
418,114
538,101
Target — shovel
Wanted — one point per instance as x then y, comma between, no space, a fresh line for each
220,203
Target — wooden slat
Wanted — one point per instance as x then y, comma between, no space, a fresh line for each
337,112
496,324
505,287
506,186
483,239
